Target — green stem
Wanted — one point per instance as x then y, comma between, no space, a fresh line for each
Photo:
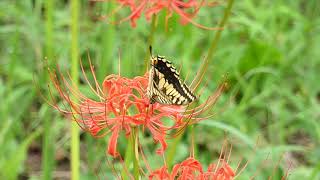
193,149
128,158
49,29
48,146
213,46
136,166
150,41
173,146
171,152
75,142
132,154
107,46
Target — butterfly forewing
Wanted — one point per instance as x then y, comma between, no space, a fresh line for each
165,85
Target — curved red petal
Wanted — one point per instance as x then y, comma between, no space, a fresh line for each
112,146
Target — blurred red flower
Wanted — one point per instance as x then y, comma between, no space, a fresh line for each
121,104
192,169
185,9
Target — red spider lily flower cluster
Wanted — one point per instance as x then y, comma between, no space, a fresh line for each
122,104
185,9
192,169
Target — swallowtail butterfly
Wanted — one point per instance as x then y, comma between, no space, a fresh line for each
165,85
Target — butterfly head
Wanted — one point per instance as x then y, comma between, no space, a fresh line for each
154,59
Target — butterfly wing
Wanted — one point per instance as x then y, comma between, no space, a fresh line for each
165,85
153,91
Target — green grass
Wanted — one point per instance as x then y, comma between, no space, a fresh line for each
269,50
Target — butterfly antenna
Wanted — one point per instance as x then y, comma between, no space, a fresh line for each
150,50
150,54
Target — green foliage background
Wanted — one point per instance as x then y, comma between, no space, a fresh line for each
270,51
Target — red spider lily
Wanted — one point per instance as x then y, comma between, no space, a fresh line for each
121,104
192,169
185,9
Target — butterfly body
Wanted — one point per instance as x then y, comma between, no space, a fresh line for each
165,85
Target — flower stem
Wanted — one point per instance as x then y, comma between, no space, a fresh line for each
214,43
173,146
48,146
136,166
107,47
128,158
132,154
75,142
192,147
150,40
